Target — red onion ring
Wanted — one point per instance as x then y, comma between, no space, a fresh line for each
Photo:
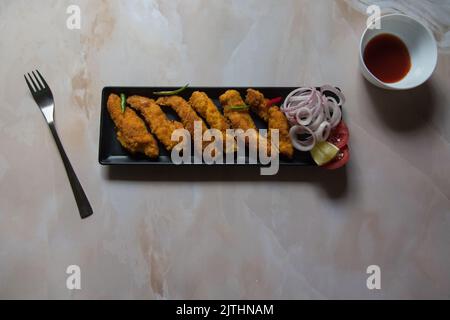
299,144
311,112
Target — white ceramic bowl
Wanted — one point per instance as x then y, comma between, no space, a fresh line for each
421,45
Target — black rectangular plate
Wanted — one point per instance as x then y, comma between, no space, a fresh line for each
112,153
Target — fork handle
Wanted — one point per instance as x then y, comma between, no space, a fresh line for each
84,207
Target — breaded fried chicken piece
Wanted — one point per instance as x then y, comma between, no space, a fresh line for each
187,115
184,111
256,101
275,118
208,110
240,119
131,130
160,125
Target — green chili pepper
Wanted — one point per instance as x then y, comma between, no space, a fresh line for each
123,102
237,108
171,93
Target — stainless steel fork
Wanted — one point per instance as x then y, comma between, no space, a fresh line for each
44,98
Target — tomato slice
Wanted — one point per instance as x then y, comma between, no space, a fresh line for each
341,159
339,136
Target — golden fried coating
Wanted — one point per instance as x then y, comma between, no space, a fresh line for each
187,115
275,118
241,119
160,125
184,111
256,101
131,130
208,110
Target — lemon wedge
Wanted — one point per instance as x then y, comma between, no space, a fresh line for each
324,152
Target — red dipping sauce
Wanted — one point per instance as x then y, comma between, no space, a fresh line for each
387,58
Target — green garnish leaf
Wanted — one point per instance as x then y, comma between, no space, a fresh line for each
237,108
123,102
171,93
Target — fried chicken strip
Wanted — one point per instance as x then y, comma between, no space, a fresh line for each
131,130
208,110
240,119
275,118
184,111
256,101
204,106
160,125
187,115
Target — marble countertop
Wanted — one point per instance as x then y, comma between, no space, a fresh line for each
207,232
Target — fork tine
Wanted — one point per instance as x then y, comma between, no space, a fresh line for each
29,84
42,80
34,84
38,83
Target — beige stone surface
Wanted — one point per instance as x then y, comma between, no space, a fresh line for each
208,232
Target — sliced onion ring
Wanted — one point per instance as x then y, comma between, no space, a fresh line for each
310,111
323,132
303,116
302,145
